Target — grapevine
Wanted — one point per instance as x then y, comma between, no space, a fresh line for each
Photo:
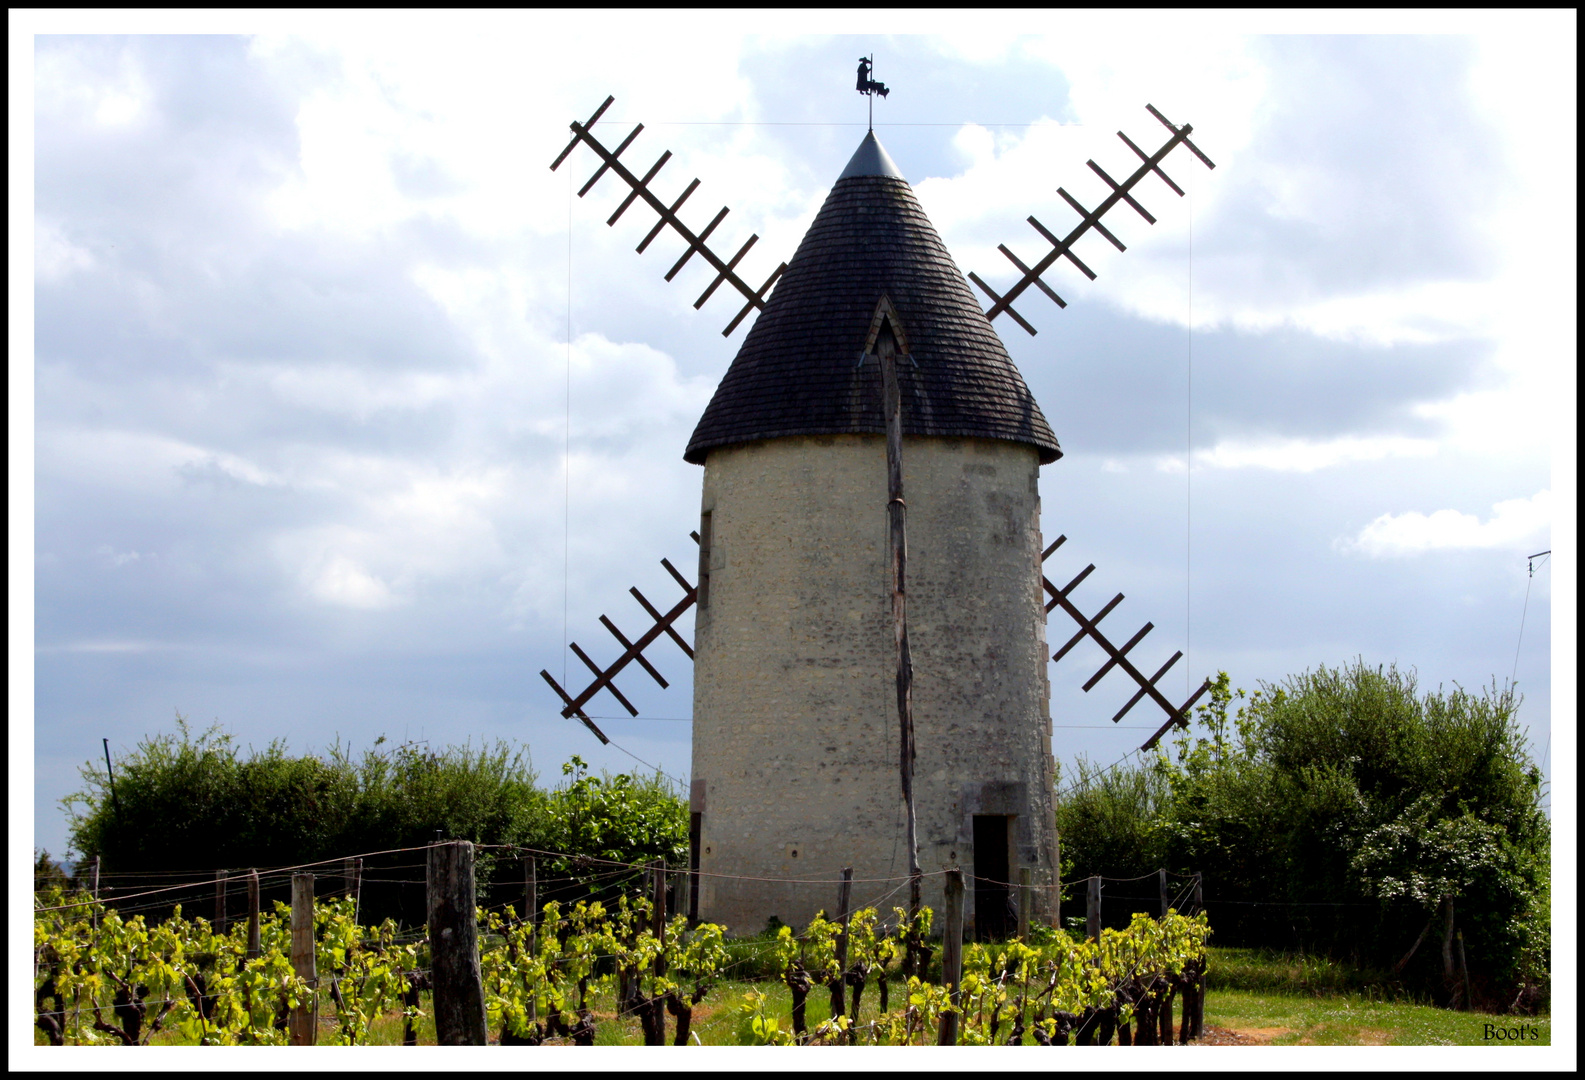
101,977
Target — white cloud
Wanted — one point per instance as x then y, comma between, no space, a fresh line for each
149,464
344,583
110,646
93,82
120,558
1299,455
54,256
1412,533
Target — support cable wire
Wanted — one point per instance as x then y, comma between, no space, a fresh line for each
1545,557
566,449
1080,783
262,874
1530,580
238,885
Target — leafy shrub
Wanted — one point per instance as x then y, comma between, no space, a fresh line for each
192,803
1340,812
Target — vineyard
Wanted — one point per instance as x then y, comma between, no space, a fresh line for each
498,976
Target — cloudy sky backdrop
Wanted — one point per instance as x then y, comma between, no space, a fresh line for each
346,413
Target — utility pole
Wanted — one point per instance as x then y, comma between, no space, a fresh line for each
111,773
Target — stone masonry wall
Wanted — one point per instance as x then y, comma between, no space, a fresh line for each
795,738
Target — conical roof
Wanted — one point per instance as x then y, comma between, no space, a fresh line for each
798,370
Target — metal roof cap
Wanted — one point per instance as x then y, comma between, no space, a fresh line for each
871,159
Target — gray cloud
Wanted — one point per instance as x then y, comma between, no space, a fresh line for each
1111,383
225,408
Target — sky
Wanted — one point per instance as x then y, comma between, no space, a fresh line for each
344,414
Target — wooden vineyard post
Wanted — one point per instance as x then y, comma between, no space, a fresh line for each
458,984
254,948
658,928
678,886
1463,964
844,892
220,901
1161,884
93,887
1025,899
657,880
303,1024
410,1000
1092,909
952,956
531,917
352,874
1055,877
1199,974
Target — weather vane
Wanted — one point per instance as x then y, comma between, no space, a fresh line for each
868,86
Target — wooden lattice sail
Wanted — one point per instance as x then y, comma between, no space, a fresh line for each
1089,626
633,652
1088,219
726,270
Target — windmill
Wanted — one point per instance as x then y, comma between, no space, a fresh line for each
870,652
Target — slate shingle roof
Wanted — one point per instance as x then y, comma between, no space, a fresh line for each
797,372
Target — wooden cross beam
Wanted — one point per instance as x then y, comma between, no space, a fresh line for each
726,271
1088,219
632,651
1118,657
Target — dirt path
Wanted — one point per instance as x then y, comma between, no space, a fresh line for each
1221,1036
1263,1036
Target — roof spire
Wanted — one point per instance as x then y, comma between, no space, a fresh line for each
871,159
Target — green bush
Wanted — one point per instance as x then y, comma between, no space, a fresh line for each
1338,812
186,803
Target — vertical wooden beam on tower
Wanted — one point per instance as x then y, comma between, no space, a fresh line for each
897,528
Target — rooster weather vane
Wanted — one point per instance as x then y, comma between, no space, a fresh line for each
726,272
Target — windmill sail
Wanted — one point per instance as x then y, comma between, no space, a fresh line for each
1088,219
726,270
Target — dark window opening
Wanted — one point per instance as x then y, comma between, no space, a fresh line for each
704,560
695,828
994,917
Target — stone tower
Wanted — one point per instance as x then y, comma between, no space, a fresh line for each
795,736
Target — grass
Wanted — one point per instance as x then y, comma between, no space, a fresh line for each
1293,973
1346,1019
1289,999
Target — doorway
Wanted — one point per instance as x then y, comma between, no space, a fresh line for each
994,917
